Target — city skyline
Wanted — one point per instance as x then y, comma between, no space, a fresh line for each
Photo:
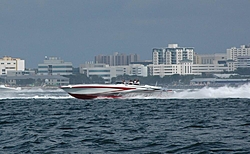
78,30
166,61
119,54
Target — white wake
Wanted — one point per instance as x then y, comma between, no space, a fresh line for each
35,93
203,93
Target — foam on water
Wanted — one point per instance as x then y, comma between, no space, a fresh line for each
204,93
35,93
209,92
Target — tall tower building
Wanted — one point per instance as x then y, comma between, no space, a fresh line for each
172,54
159,56
120,59
133,58
117,59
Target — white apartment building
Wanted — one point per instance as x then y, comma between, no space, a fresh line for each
173,54
11,64
185,68
55,66
234,52
239,57
184,61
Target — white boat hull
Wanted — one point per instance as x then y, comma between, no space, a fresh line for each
90,91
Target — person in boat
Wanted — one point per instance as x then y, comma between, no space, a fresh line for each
137,82
130,82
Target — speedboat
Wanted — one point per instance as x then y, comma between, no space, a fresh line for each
91,91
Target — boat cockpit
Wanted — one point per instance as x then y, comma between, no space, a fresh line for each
135,82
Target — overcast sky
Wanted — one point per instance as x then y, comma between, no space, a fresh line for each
77,30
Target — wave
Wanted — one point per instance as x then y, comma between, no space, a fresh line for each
203,93
35,93
220,92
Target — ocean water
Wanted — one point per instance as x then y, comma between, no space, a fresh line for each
208,120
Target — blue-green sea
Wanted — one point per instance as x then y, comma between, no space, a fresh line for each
208,120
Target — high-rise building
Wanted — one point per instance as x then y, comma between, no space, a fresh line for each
159,56
120,59
117,59
172,54
132,58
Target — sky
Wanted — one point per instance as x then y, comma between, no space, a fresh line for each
78,30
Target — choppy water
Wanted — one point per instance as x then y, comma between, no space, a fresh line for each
191,121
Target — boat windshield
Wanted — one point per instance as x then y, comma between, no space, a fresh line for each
119,82
129,83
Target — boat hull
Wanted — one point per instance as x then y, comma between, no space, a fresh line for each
91,91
